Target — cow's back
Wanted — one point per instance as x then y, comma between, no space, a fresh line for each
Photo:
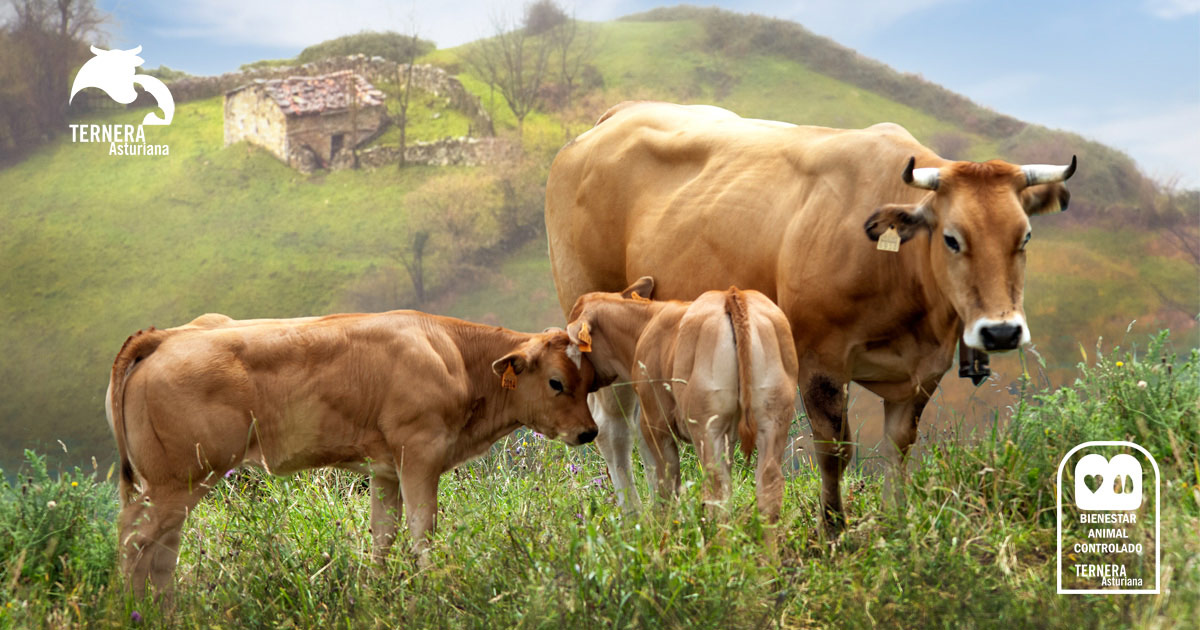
702,199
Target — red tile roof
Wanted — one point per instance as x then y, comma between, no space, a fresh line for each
298,96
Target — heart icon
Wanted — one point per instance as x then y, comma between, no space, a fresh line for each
1104,484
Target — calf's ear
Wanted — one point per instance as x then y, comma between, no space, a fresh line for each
580,334
907,219
641,288
509,365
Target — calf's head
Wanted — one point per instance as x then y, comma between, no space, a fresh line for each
977,218
548,381
600,321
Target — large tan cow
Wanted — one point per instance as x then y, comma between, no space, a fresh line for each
403,395
712,372
702,199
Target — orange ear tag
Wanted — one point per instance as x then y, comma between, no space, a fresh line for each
509,379
585,338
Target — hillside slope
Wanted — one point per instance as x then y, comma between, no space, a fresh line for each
95,247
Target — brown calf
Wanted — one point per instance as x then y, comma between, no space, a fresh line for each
404,395
703,372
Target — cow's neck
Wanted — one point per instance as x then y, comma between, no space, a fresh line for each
488,416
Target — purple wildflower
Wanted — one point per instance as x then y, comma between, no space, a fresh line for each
229,473
538,435
598,481
572,468
136,617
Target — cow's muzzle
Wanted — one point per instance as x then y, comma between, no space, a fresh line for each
997,335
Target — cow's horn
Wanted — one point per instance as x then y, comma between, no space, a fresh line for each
926,178
97,51
1048,173
136,51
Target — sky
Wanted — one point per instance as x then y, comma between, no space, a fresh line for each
1123,72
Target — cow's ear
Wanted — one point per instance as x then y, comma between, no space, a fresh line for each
516,360
1045,199
907,219
641,288
580,334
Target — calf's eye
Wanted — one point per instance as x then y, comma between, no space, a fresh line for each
952,243
556,385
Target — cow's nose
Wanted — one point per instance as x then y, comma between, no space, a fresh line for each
1001,336
587,436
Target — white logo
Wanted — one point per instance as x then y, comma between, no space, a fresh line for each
113,72
1106,543
1118,482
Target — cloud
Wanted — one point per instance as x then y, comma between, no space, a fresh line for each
845,21
1164,140
302,23
1172,9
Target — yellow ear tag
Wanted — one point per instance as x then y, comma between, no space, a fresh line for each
637,298
509,379
889,241
585,338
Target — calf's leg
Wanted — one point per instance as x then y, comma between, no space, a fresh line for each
773,418
419,482
386,512
149,530
661,454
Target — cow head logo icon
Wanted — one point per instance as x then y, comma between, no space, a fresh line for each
1108,484
114,72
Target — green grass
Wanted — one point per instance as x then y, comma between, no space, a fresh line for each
529,537
429,118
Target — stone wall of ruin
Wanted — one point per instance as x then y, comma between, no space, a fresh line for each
376,70
250,116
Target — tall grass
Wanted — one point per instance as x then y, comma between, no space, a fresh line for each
529,537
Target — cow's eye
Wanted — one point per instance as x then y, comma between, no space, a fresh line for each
952,243
556,385
1028,235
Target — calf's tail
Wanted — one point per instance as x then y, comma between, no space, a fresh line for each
138,346
739,317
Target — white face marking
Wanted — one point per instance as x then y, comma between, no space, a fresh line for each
973,334
575,355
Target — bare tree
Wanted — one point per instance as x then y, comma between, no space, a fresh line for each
405,79
515,62
43,41
449,217
573,46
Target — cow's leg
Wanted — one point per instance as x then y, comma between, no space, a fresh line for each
386,512
900,420
773,418
825,403
614,409
419,482
150,529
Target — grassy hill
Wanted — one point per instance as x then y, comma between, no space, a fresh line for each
95,247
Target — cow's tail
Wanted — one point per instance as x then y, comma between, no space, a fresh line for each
138,346
739,317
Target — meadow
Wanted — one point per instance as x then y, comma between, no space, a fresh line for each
530,537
